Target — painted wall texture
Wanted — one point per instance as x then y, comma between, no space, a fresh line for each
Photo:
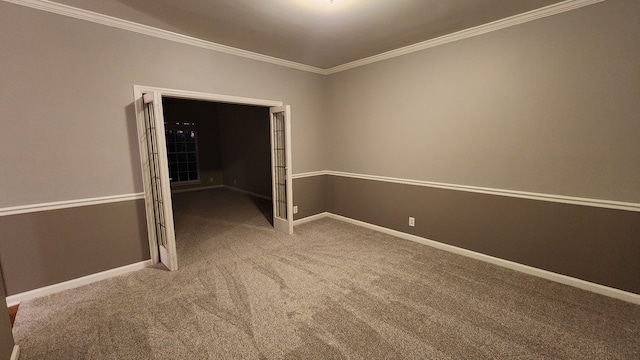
69,132
67,96
549,106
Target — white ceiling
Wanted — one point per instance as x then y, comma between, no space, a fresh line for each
313,32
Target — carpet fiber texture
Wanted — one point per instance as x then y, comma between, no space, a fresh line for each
331,291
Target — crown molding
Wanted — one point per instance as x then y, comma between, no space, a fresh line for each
532,15
70,11
94,17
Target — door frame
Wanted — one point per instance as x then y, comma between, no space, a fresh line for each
138,91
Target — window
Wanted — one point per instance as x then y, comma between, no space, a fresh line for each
182,151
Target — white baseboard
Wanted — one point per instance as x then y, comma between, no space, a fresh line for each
15,354
563,279
247,192
311,218
199,188
85,280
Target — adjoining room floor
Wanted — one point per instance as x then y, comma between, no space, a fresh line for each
332,290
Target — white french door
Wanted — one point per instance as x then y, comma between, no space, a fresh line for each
281,168
155,167
157,184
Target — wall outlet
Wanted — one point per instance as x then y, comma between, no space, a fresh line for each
210,179
412,221
295,209
234,181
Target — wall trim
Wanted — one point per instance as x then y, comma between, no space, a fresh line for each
573,200
199,188
122,24
532,15
15,354
309,174
548,275
77,13
57,205
74,283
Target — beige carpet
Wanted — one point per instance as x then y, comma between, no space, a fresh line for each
331,291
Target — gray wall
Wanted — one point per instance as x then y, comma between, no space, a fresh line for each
246,147
6,336
549,106
49,247
205,115
69,132
310,195
589,243
67,96
595,244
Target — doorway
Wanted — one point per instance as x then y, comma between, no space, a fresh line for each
156,174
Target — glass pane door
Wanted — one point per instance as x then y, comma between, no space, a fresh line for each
281,169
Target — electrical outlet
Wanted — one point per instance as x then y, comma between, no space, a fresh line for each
295,209
210,179
412,221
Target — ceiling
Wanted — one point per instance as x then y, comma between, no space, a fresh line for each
313,32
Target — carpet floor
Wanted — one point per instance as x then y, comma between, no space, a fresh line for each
331,291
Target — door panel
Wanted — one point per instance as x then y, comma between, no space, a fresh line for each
281,168
159,180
